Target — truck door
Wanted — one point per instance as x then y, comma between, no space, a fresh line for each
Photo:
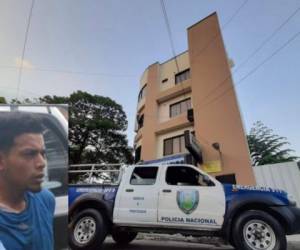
138,196
190,199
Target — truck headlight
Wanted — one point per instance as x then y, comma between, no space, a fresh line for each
292,200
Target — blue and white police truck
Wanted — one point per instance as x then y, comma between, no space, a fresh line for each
173,199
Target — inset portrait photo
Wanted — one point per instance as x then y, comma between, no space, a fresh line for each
33,176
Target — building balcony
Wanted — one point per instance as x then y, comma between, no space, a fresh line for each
139,134
178,122
178,90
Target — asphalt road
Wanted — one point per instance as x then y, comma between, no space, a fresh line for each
293,244
161,245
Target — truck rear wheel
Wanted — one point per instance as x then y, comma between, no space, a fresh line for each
87,230
123,237
257,230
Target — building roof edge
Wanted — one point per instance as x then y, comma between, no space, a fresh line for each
214,13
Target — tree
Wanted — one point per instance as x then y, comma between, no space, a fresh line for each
2,100
96,130
54,99
267,147
25,101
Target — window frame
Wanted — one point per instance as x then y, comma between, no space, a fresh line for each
52,123
180,74
143,184
192,169
172,138
180,108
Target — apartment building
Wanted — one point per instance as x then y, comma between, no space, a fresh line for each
194,92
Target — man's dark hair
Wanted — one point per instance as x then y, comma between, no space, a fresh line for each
14,124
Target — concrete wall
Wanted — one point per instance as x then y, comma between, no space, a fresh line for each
144,78
217,121
284,176
150,113
168,70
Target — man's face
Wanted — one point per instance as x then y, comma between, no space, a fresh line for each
22,166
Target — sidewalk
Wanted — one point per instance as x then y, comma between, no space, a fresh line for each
294,238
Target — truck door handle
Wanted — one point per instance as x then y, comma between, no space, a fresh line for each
129,190
167,190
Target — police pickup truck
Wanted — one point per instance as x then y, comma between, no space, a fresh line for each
173,199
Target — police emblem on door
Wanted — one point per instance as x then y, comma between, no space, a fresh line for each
187,200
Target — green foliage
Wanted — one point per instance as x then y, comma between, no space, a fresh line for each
267,147
2,100
25,101
54,99
96,133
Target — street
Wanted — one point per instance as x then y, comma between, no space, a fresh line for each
150,244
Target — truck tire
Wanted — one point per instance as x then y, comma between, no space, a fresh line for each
123,237
257,230
87,230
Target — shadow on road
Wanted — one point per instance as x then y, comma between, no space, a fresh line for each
161,245
174,245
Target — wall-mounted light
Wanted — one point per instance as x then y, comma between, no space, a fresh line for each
216,146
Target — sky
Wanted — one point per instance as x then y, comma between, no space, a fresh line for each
103,47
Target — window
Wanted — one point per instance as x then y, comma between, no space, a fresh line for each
174,145
182,76
137,155
227,179
144,176
141,121
142,93
186,176
180,107
57,160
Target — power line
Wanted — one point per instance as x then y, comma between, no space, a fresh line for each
216,35
169,32
69,72
243,78
234,14
24,47
171,41
254,52
173,50
253,70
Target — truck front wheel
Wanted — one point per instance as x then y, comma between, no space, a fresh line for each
123,237
257,230
87,230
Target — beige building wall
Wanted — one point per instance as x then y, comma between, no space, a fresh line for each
144,78
216,117
168,70
150,112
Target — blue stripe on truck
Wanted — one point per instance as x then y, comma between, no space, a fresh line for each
232,191
75,192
